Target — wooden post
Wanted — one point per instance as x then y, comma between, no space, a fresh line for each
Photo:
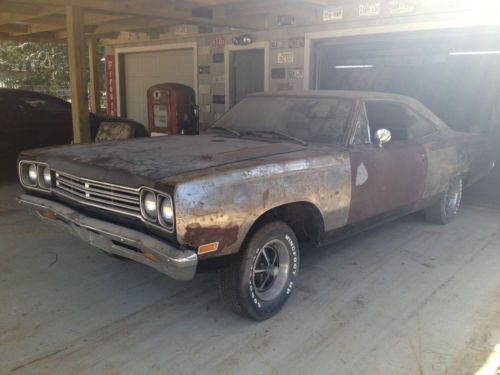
94,93
76,57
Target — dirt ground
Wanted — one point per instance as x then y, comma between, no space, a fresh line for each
405,298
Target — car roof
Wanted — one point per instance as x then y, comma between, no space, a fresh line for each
356,95
364,95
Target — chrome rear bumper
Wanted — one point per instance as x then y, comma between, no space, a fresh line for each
116,239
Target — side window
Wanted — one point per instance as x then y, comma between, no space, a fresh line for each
362,132
403,122
419,126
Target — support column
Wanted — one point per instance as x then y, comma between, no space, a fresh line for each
76,57
94,93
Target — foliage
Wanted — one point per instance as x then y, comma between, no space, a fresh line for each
35,66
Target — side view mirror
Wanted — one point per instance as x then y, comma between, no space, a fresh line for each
196,111
382,136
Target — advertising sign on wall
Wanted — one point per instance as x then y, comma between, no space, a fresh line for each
111,94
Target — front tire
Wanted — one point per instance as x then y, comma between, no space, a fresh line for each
445,210
258,283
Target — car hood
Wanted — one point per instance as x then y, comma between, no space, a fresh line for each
136,162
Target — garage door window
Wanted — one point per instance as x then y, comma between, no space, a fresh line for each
400,120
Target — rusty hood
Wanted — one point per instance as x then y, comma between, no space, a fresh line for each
147,160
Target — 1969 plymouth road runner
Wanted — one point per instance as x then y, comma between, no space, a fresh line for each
275,171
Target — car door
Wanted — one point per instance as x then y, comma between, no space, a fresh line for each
386,180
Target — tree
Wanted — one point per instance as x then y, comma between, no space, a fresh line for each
35,66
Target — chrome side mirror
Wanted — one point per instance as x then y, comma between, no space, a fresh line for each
382,136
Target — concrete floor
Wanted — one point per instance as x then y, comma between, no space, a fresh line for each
405,298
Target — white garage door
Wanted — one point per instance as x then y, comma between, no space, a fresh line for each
143,70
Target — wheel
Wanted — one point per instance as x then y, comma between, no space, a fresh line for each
445,210
258,283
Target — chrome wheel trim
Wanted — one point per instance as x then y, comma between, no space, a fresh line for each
453,196
270,270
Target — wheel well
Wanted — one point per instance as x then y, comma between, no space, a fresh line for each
304,218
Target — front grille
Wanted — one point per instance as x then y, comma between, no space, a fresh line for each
98,194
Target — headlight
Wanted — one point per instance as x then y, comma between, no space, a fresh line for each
149,205
45,177
166,212
32,174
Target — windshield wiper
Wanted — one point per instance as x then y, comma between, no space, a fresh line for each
281,135
229,130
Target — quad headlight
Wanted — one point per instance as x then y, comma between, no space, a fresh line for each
157,208
35,175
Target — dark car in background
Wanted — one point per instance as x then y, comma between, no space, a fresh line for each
31,120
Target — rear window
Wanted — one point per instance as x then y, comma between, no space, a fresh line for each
315,120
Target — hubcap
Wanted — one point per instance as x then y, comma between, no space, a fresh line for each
270,270
453,197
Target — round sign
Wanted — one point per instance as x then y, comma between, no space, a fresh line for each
157,94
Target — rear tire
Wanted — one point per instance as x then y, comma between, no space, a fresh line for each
445,210
260,280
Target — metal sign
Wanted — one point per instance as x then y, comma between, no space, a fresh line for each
218,57
285,57
204,50
204,69
111,95
297,42
218,41
277,44
218,79
181,30
333,14
401,6
219,99
369,9
296,73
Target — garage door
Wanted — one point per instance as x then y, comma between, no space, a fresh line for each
456,75
143,70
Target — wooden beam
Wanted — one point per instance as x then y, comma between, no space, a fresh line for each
150,8
76,57
95,95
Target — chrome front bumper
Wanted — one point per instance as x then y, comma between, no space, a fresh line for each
116,239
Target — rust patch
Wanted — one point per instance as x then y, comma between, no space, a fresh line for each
265,197
197,235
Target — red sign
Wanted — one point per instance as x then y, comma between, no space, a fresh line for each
111,94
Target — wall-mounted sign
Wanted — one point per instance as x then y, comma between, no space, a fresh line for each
277,44
204,69
297,42
296,73
218,79
369,9
204,50
181,30
333,14
285,57
219,99
285,86
285,20
401,6
218,41
204,89
111,94
218,58
205,29
205,108
278,73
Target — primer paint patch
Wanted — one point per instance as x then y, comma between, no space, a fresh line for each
361,175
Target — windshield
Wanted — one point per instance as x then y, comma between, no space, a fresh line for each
313,120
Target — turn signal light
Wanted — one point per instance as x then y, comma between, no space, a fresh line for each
48,214
208,248
150,256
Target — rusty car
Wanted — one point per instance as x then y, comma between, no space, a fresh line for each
274,172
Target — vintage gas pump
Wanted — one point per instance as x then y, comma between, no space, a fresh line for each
172,109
